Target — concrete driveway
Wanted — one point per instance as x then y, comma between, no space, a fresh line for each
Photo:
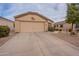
38,44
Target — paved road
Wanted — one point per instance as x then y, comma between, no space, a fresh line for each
37,44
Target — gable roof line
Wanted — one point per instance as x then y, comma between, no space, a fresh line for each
17,16
60,22
2,18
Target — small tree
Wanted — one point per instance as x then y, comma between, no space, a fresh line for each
72,14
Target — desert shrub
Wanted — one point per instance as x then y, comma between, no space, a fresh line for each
4,31
60,29
70,30
72,33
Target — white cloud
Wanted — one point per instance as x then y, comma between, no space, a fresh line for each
50,10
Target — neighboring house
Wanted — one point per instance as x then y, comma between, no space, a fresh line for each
77,27
31,22
63,26
6,22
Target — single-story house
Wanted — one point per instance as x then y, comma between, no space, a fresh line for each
63,26
6,22
31,22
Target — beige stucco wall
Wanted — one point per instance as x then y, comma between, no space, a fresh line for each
17,26
46,26
28,18
67,26
37,22
6,23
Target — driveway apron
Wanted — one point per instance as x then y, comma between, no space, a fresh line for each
37,44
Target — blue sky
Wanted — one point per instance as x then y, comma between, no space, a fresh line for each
54,11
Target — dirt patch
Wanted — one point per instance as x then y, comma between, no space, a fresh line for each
5,39
67,37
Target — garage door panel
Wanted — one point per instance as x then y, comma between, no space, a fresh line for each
32,26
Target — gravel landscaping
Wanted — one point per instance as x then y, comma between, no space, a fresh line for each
67,37
5,39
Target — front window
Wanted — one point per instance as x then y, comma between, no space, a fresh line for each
61,25
77,25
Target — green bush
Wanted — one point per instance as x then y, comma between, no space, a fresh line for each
4,31
50,29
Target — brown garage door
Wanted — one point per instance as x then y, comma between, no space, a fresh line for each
32,27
